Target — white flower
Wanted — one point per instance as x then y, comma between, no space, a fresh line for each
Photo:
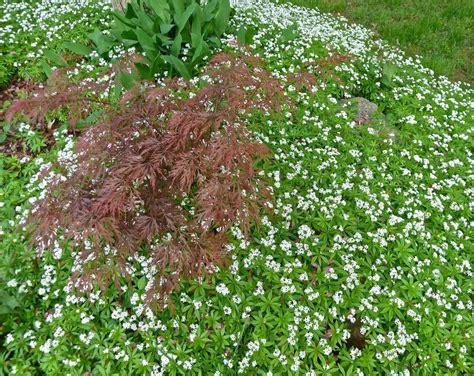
305,232
222,289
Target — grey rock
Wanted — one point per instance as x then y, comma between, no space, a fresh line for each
365,109
368,116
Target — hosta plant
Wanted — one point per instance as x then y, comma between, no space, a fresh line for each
175,36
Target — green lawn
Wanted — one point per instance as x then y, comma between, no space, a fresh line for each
441,31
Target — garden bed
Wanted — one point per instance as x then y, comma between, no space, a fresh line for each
363,266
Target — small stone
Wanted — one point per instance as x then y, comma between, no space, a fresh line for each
365,109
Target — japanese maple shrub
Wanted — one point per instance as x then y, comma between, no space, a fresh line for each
165,173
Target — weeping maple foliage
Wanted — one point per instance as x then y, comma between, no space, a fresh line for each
168,169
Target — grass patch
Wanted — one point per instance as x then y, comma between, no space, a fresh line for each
438,30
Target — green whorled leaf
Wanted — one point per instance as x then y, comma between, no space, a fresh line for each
176,46
7,301
161,9
77,48
3,136
94,116
178,65
221,20
5,310
55,58
91,119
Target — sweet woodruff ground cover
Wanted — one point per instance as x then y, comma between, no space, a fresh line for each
364,266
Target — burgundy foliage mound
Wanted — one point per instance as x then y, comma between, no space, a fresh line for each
123,194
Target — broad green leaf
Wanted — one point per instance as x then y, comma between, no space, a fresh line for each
101,41
156,66
178,65
182,19
245,35
196,31
146,22
241,35
215,41
146,42
144,71
165,28
178,6
129,38
388,72
209,9
176,47
77,48
46,68
125,20
55,58
130,11
163,41
141,283
221,20
161,8
202,50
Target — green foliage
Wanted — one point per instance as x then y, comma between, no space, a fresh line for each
174,35
348,183
77,48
